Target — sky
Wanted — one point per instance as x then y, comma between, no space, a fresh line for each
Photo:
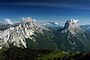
46,10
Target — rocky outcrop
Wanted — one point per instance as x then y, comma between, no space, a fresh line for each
17,35
71,37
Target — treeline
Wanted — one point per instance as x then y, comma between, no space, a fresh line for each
22,54
41,54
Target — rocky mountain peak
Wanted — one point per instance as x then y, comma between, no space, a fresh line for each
73,23
72,36
17,35
27,19
72,26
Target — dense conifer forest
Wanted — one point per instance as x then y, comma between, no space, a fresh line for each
41,54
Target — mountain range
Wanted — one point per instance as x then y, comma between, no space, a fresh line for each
31,34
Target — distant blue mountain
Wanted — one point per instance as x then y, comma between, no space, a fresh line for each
52,24
86,27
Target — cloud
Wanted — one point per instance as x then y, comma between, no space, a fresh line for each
79,5
34,20
8,21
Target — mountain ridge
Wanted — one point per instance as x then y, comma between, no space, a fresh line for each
71,37
30,34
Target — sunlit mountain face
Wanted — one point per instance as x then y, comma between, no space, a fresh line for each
28,33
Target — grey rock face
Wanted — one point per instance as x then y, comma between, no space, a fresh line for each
71,37
15,36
